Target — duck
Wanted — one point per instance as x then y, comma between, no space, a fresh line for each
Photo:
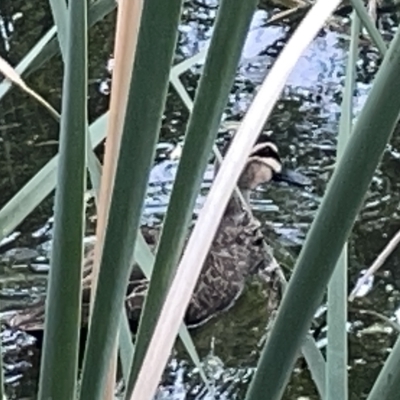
237,252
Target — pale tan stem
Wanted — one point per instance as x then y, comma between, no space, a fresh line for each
128,22
379,261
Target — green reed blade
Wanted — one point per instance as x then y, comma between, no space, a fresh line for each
60,357
330,228
146,101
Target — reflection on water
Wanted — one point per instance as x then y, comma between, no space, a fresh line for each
304,123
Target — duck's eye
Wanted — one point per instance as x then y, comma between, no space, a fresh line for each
258,241
267,152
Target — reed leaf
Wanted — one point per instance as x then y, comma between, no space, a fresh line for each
97,10
59,11
370,25
337,349
2,396
6,85
387,385
316,364
94,168
12,76
125,338
214,87
126,35
331,228
146,101
40,186
313,356
59,362
47,46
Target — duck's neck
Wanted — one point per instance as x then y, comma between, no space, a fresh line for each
235,205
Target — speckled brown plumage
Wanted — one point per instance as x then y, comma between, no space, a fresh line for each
237,252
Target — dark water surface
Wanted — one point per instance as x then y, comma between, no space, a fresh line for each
305,124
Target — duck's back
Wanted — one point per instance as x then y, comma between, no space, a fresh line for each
236,252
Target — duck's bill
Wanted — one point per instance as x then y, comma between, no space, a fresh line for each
292,178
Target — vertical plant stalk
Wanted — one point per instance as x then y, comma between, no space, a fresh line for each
145,106
387,385
61,335
312,354
369,25
60,12
97,11
2,395
337,350
331,227
127,29
184,281
214,87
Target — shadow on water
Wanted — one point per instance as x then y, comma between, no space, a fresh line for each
305,124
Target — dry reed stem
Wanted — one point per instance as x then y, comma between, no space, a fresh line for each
14,77
379,261
128,22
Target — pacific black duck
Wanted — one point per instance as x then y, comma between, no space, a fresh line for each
237,252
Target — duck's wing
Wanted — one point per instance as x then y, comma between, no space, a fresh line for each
238,251
32,317
219,285
151,236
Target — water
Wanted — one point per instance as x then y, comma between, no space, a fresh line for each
304,123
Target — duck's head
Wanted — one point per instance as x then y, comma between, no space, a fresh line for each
264,165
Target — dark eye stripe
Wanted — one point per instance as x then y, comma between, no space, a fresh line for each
266,152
